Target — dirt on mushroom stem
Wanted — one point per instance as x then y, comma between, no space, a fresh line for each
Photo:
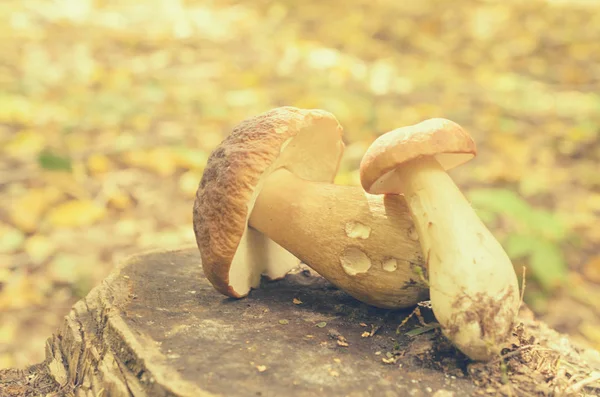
474,288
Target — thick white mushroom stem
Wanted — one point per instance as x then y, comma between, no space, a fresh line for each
364,244
473,286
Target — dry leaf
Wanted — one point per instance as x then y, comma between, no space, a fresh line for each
188,183
39,248
26,143
118,199
75,213
27,209
591,269
11,239
161,161
98,164
22,291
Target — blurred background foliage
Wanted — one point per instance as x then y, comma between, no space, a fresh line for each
109,109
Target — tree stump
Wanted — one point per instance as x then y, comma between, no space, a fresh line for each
156,327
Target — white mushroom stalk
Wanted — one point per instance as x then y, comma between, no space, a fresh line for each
473,286
364,244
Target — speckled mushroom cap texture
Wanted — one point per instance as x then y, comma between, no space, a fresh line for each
306,142
447,141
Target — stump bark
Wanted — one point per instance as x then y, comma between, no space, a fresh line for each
156,327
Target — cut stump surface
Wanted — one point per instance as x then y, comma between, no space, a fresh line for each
156,327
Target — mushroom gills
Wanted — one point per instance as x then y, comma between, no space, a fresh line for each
313,154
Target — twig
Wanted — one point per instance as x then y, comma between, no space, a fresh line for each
522,286
576,388
518,351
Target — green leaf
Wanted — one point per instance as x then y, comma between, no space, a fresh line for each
421,330
538,222
519,245
322,324
486,216
547,225
548,264
499,201
50,161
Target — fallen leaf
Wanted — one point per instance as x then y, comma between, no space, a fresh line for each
27,209
190,159
25,143
161,161
188,183
119,199
75,213
421,330
54,162
98,164
296,301
11,239
591,269
23,291
322,324
39,248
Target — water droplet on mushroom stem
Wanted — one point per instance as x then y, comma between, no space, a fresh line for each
390,264
357,230
354,261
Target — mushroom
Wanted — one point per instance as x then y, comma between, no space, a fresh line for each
266,202
473,286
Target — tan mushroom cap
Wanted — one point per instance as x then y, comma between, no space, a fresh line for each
447,141
306,142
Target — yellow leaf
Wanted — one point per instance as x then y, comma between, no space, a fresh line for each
191,159
126,228
591,332
7,333
98,164
11,239
210,139
39,248
15,109
120,200
591,270
26,143
188,183
160,160
65,268
75,213
67,182
27,209
4,274
7,360
22,291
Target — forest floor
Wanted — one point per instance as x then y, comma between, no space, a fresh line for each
109,109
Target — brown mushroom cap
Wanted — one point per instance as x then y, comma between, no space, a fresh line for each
447,141
306,142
